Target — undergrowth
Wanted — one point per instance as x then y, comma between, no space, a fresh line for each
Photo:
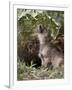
31,73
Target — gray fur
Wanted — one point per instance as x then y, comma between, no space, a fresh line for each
47,52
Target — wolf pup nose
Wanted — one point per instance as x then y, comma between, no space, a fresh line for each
41,28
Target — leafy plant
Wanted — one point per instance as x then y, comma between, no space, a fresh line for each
28,45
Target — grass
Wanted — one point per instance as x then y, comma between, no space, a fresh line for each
31,73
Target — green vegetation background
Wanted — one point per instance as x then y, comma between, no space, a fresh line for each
28,45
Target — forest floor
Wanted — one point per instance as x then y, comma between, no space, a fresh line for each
31,73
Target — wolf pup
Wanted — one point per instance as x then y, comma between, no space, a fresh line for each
48,54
